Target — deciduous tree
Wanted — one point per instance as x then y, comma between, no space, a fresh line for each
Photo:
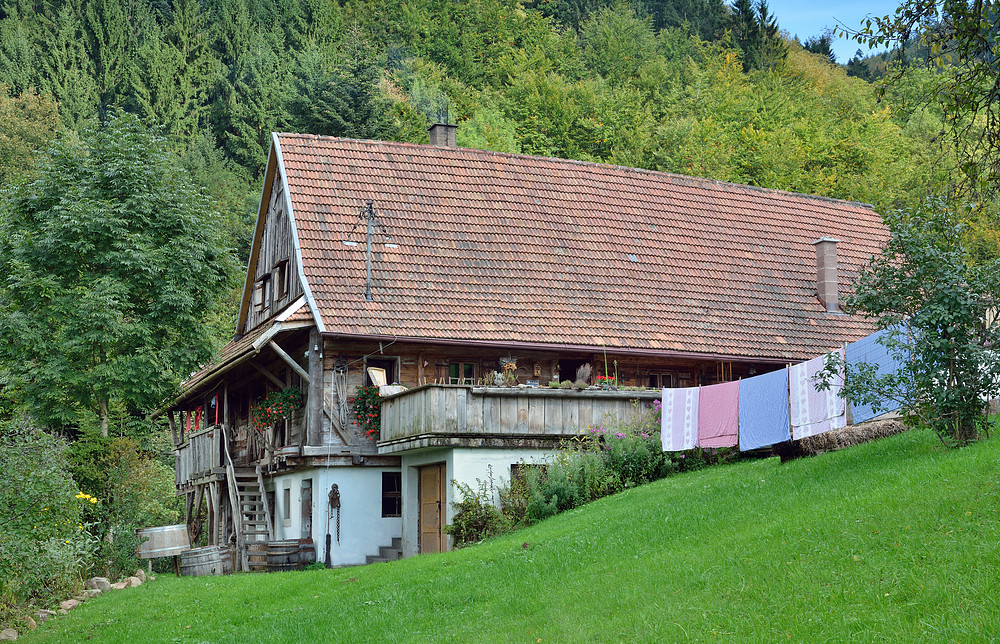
110,262
940,311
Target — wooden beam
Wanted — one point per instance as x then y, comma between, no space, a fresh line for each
288,359
314,416
270,376
173,429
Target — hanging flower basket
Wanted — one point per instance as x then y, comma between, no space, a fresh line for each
367,407
274,407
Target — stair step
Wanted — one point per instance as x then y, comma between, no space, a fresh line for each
370,559
389,553
397,543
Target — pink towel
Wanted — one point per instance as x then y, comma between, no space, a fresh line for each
814,412
719,415
679,419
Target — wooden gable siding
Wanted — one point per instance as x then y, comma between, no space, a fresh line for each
276,262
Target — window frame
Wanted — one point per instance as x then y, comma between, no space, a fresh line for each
392,496
462,378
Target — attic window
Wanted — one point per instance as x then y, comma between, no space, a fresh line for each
281,280
262,294
633,258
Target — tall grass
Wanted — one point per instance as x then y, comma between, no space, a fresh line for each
897,540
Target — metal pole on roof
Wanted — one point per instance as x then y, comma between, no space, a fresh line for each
370,218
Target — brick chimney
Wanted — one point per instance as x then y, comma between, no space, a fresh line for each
826,273
443,134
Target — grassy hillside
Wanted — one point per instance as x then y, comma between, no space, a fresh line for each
897,540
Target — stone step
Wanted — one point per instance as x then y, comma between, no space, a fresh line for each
369,559
397,542
389,553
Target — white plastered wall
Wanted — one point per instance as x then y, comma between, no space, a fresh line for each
362,527
466,465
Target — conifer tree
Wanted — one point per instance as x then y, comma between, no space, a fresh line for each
18,59
111,40
67,71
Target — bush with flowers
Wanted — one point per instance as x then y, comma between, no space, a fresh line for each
44,541
274,407
366,405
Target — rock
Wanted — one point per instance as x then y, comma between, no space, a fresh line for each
94,592
44,615
30,623
63,611
100,583
120,585
134,581
82,597
141,574
8,635
69,604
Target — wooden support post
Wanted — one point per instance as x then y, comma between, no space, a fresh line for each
314,415
173,426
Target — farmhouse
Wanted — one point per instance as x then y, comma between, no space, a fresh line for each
437,268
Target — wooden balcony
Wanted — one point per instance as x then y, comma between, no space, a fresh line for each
465,416
199,458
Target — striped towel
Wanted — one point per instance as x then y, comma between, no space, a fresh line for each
679,424
814,412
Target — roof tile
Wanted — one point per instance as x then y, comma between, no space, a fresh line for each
512,248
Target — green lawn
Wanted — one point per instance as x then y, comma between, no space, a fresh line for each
897,540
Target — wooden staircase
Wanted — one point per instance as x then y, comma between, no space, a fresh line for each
255,518
387,553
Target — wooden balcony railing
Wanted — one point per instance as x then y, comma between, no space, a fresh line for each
200,457
457,415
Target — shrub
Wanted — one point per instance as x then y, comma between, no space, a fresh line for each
140,494
476,517
44,543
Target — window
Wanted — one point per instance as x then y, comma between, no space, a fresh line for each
392,494
462,373
388,365
661,381
281,280
262,294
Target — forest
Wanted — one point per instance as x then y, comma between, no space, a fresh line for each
190,90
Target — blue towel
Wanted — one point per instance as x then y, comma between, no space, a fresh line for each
764,410
869,350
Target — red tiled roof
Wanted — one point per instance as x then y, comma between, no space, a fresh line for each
509,248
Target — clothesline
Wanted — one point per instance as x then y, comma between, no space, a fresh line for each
771,408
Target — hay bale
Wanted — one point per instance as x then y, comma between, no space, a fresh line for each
851,435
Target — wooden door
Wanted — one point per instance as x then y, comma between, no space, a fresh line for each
432,500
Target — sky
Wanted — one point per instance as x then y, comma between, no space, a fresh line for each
807,18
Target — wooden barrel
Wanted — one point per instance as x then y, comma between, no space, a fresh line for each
163,541
257,555
307,551
283,555
202,561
